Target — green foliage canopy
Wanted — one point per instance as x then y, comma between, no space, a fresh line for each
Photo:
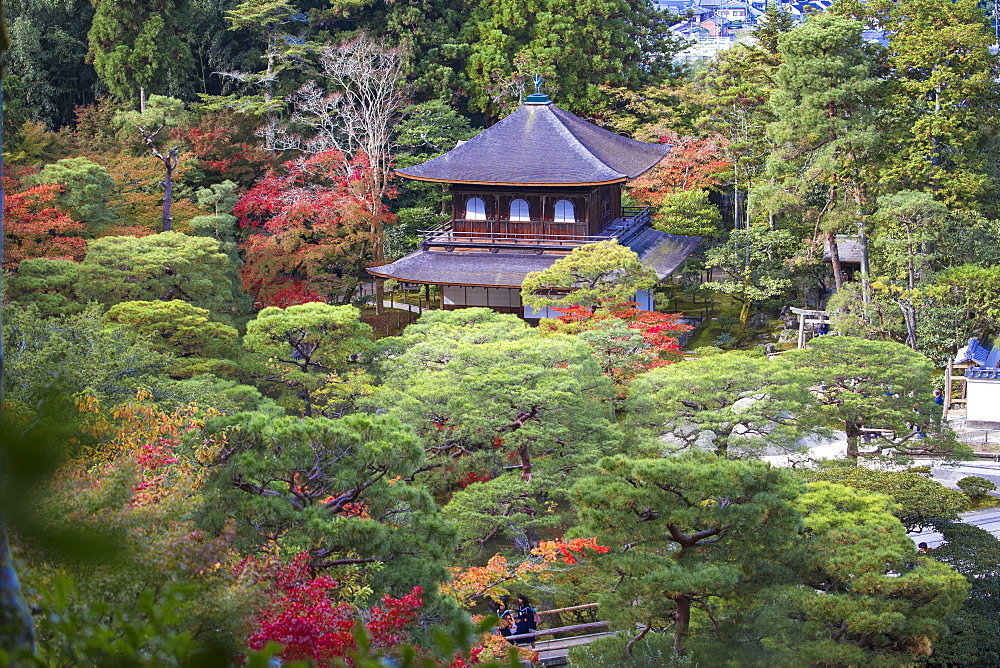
687,532
306,344
162,266
919,501
736,404
591,276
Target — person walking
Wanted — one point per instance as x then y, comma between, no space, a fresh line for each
527,621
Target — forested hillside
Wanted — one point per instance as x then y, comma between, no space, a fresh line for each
221,444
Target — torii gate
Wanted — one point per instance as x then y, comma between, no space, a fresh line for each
813,318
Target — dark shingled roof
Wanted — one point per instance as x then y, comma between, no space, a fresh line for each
541,144
494,270
848,248
661,252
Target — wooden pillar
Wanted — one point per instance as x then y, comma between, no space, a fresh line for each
802,331
947,389
379,296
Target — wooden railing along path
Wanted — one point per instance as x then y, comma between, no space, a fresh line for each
554,652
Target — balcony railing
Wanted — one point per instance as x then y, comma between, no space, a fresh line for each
633,221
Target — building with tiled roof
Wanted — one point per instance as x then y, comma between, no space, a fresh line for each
979,388
525,192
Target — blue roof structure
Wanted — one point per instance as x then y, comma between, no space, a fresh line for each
981,373
976,353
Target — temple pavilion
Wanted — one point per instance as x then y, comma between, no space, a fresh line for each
524,193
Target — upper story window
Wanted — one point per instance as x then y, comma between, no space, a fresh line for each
475,209
565,212
519,210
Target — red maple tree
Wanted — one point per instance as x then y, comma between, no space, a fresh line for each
659,334
312,229
303,617
692,163
33,227
226,148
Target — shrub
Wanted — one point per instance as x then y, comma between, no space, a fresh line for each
725,340
976,487
656,649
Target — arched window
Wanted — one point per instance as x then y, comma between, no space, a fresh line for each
519,210
564,212
475,209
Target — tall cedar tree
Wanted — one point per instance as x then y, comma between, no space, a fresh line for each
825,84
942,118
138,44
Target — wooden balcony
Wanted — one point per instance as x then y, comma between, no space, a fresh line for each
538,237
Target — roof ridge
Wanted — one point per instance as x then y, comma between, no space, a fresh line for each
580,144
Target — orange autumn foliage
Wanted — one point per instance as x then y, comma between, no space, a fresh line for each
141,483
691,164
34,227
137,200
494,579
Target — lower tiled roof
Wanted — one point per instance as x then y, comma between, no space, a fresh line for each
981,373
661,252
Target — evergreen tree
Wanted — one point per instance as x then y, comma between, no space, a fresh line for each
158,267
774,23
581,48
137,46
866,596
824,88
334,489
942,111
48,59
737,404
689,533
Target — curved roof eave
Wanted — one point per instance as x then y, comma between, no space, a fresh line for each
513,183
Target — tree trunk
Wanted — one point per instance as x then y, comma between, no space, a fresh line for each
852,447
838,276
682,621
169,164
379,296
910,317
866,289
168,187
854,435
736,206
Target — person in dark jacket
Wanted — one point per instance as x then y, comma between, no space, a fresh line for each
527,620
505,626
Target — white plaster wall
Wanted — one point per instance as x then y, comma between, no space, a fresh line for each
645,300
983,400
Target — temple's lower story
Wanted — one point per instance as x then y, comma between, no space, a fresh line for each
493,279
